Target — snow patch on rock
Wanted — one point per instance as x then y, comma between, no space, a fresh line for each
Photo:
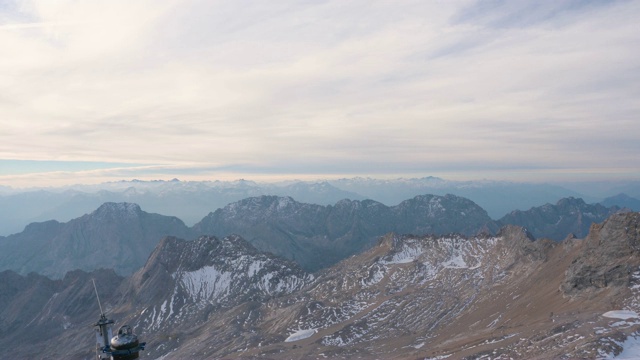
406,255
456,262
621,314
300,335
631,349
206,283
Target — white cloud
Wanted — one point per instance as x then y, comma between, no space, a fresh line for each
427,85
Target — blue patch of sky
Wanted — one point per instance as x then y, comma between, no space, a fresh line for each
519,14
11,13
19,167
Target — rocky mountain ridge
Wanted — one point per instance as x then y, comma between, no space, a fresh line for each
121,235
622,200
409,296
568,217
317,236
191,200
188,200
496,197
37,312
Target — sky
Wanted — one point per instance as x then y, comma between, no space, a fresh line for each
94,91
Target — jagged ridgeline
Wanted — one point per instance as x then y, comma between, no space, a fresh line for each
408,296
191,200
118,236
568,217
317,236
121,236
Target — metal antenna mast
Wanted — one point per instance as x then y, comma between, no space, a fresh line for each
124,346
103,331
97,296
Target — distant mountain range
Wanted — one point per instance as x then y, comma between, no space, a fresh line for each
120,236
317,236
409,296
568,217
496,197
622,200
191,201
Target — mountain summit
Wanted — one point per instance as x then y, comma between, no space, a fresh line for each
318,236
567,216
119,236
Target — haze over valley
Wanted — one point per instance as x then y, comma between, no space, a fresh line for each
190,201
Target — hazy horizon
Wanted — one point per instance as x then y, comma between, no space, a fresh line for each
522,91
589,189
63,179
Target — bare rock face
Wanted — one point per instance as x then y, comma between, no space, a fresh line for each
524,244
317,236
119,236
610,253
556,221
406,293
238,272
44,318
186,282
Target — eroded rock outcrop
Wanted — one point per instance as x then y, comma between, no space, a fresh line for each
609,255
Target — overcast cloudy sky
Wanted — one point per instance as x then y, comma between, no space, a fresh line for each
94,91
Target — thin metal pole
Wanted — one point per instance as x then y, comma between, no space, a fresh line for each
96,289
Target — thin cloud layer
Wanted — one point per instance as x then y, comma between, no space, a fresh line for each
322,88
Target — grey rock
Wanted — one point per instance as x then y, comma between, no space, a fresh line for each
319,236
119,236
608,256
568,215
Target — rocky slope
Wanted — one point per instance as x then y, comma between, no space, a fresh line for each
567,216
408,297
180,286
42,318
116,235
317,236
435,297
